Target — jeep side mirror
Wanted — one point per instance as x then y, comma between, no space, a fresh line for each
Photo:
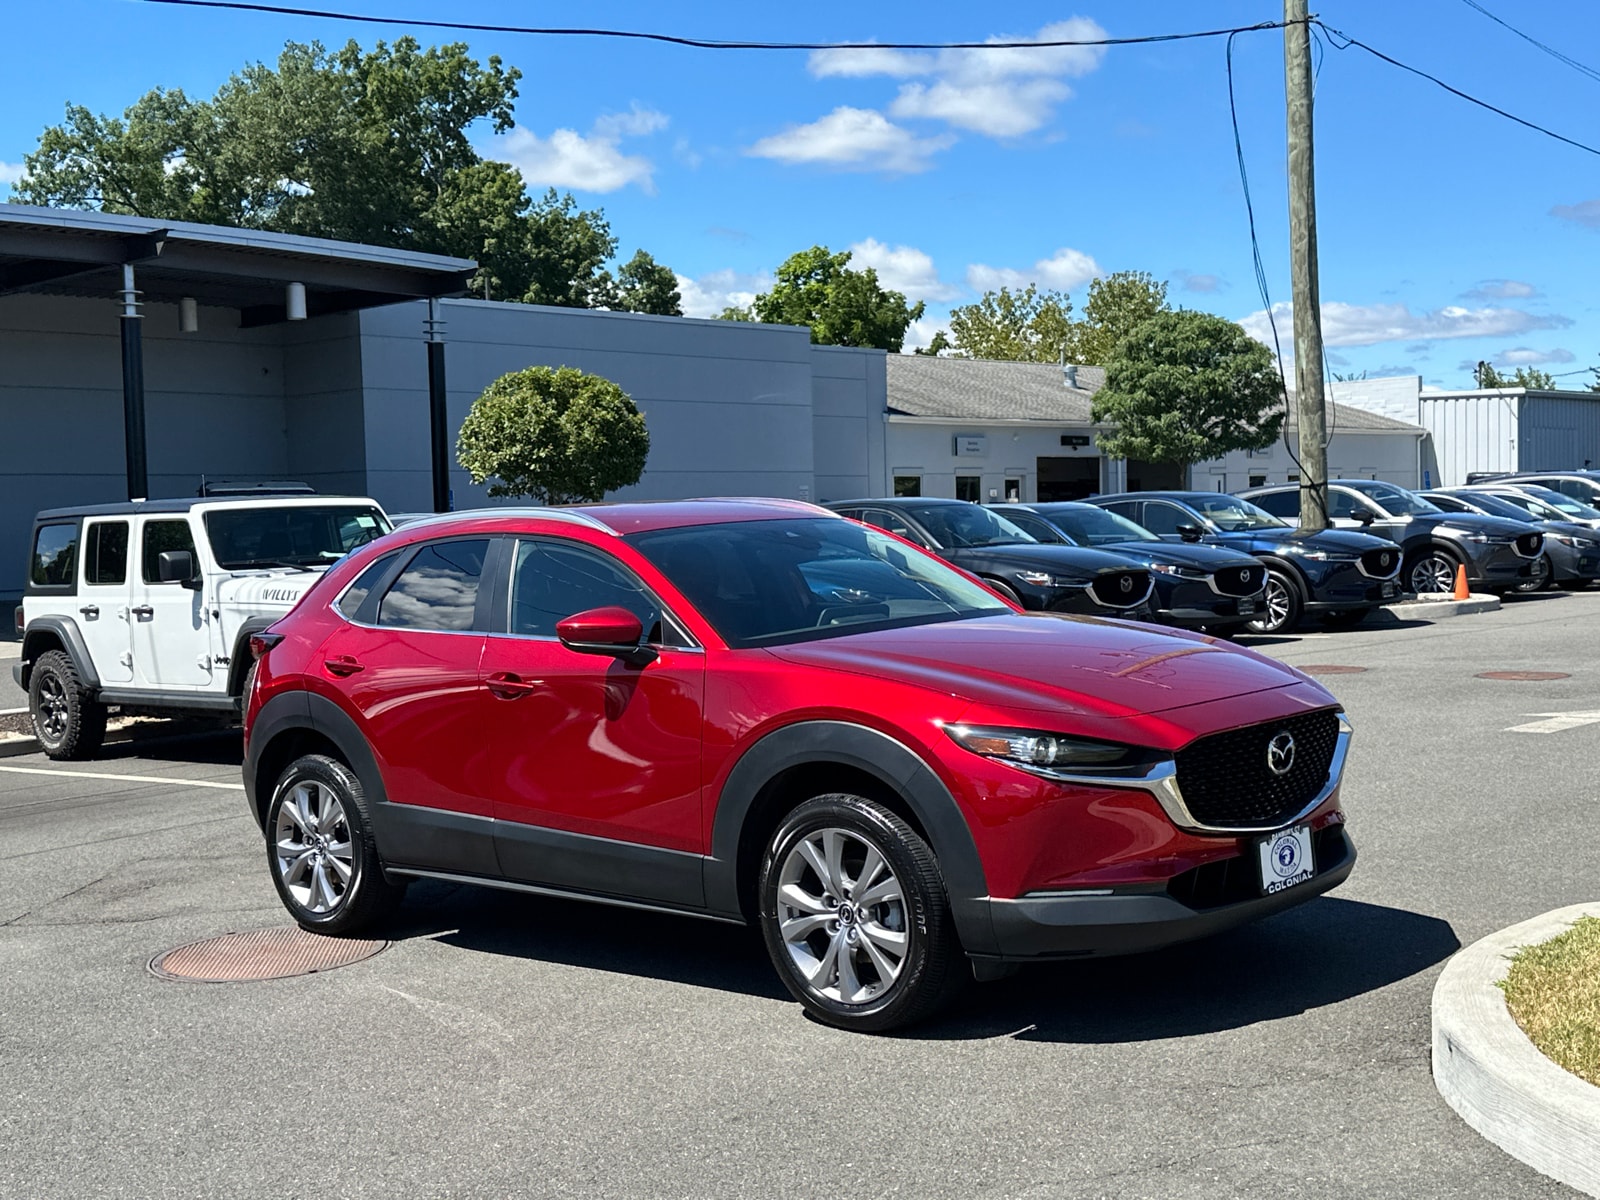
177,566
611,631
1190,533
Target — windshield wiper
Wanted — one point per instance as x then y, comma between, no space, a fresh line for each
269,562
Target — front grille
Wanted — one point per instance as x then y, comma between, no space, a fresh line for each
1227,784
1529,544
1237,878
1239,581
1120,589
1380,564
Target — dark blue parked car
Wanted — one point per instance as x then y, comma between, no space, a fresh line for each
1338,576
1198,587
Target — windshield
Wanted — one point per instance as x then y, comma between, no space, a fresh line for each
1397,502
1504,506
1233,515
958,526
761,583
300,535
1569,508
1090,526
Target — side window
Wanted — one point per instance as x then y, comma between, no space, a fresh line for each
159,536
553,580
1284,504
1450,504
105,553
356,594
1038,527
55,556
438,589
1125,508
893,523
1164,519
1342,504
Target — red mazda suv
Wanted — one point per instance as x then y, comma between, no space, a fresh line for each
759,711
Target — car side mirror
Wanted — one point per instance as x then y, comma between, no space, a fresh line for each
177,566
1363,516
612,631
1190,533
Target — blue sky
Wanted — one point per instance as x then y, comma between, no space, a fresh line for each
1448,234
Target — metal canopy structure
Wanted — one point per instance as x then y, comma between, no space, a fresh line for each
267,277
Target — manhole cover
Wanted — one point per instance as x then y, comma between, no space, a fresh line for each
261,954
1330,669
1523,676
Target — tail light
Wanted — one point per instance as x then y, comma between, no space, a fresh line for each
260,643
21,621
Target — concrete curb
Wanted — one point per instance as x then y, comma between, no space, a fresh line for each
1434,610
1491,1074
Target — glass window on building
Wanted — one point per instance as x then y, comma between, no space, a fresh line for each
908,485
969,488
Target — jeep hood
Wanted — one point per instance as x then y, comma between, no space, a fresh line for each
1079,665
267,590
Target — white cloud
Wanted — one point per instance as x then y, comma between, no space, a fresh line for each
11,172
995,92
919,334
1586,213
1526,356
903,269
1501,289
855,139
1370,324
1190,282
568,159
1064,270
710,294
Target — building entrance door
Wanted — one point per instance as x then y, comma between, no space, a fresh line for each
1074,478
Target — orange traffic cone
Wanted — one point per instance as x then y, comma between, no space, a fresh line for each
1461,592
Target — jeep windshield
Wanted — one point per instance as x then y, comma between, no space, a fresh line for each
299,535
761,583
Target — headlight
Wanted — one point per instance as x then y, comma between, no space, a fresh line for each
1307,552
1180,572
1045,579
1577,543
1038,751
1480,538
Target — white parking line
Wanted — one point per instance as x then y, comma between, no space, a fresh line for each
199,783
1557,722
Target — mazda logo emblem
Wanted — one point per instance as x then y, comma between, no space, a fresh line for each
1127,583
1280,753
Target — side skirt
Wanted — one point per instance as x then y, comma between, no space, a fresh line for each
535,889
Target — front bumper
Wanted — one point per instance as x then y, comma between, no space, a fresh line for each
1570,563
1339,585
1193,605
1078,600
1496,564
1034,928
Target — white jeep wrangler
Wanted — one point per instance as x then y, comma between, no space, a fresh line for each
149,606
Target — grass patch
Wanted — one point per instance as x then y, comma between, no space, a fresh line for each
1553,992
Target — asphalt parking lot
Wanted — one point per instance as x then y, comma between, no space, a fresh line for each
506,1045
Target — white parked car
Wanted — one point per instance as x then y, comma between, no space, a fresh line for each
149,606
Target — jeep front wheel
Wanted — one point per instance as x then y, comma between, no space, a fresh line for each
66,720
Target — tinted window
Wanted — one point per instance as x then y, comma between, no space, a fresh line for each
1090,526
1493,506
300,535
1340,504
894,523
438,589
763,582
55,555
962,525
553,581
356,594
1231,514
1395,501
159,536
1451,504
1163,519
1280,504
1037,527
105,553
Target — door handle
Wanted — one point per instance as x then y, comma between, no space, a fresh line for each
144,612
342,665
510,687
91,611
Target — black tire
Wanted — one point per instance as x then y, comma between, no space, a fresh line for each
367,898
1427,567
68,722
933,967
1574,585
1282,603
1543,578
1344,618
1005,591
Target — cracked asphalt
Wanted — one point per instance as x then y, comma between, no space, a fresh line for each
511,1046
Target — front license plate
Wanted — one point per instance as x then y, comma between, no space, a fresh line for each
1391,590
1246,607
1286,859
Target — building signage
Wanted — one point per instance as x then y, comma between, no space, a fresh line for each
971,445
1075,439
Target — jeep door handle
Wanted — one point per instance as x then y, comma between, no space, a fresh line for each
91,611
507,686
144,612
342,665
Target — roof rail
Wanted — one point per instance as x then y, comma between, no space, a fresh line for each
570,516
283,487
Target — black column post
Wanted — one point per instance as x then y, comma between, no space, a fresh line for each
133,390
438,412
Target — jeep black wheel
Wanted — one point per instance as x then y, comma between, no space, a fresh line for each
855,917
66,720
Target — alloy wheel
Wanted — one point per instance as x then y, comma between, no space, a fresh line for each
53,709
313,850
842,916
1433,573
1277,604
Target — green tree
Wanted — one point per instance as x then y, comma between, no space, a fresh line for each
1524,377
1117,305
567,251
645,286
937,345
1025,326
842,307
558,435
1186,387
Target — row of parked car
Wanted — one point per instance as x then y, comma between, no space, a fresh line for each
1224,563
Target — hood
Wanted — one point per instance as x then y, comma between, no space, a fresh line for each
1338,541
1569,529
1058,560
1072,665
1498,527
267,591
1183,554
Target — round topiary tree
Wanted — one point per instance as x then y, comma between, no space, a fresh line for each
558,435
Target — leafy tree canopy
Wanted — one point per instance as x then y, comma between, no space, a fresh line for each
558,435
1117,305
1025,326
363,146
1523,377
843,307
1186,387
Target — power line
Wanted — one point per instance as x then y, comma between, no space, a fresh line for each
1335,36
1550,50
709,43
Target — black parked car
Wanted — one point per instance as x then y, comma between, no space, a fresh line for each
1498,554
1339,576
1198,587
1571,555
1047,578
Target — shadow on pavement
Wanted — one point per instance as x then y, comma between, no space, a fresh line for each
179,743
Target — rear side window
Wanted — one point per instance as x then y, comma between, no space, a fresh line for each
159,536
1279,504
438,589
55,556
105,553
356,594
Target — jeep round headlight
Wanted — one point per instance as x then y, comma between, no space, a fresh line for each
1041,751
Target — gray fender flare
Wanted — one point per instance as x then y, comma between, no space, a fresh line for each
893,764
67,632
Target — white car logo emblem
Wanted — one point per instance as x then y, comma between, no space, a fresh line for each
1127,583
1280,753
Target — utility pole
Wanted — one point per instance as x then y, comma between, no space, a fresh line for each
1303,268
